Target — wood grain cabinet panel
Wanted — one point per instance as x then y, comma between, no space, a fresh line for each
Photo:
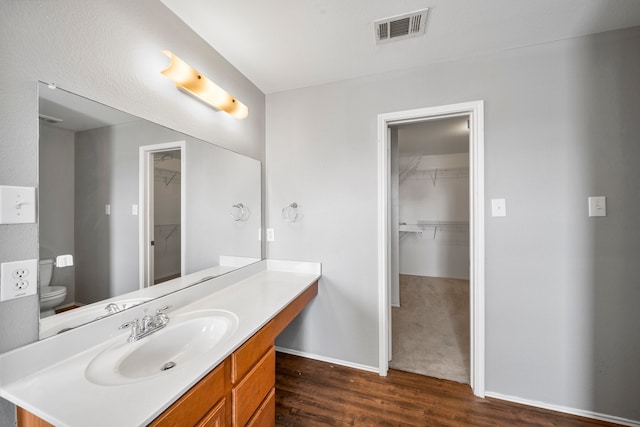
265,416
27,419
246,357
215,417
248,395
196,402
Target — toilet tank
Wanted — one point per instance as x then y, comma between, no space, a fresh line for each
46,272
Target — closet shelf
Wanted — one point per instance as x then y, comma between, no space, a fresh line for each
167,176
410,167
422,225
435,174
164,227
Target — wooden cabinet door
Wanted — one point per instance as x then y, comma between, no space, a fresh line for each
196,402
215,417
265,416
249,394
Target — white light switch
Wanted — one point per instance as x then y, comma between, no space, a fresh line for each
598,206
498,207
134,209
17,204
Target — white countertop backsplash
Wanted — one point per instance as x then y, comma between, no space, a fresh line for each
47,377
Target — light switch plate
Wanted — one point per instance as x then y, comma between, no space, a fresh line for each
498,207
598,206
18,279
17,205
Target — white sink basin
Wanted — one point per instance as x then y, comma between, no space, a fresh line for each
187,338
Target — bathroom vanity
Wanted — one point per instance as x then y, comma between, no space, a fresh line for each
231,383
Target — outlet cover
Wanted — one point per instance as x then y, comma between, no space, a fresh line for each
271,235
498,207
18,279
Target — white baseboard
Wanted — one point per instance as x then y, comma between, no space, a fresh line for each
328,360
565,409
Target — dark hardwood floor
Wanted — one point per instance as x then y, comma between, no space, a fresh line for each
311,393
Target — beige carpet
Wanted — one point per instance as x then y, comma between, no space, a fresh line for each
431,328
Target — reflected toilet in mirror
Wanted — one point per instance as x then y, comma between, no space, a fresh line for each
50,296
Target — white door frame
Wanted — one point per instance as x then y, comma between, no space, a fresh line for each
475,110
145,197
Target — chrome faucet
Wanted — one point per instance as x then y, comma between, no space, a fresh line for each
148,325
112,308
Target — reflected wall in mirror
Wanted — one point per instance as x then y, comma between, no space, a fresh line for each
129,226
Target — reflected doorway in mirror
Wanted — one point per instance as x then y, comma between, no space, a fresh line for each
162,200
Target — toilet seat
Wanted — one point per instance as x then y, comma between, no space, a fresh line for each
51,292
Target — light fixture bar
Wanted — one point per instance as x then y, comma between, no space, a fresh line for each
189,80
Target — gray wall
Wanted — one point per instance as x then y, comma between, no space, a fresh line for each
216,182
562,289
56,198
108,51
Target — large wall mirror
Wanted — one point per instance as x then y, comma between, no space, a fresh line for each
130,210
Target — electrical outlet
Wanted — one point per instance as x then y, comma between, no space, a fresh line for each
271,235
20,273
18,279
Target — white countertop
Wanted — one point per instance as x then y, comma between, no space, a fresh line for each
51,325
48,378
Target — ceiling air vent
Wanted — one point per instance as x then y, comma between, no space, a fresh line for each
401,26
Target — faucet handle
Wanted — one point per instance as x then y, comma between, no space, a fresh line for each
112,308
163,309
133,324
161,317
135,329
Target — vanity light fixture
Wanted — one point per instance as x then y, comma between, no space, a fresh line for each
189,80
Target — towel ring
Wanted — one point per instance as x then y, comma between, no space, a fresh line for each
240,212
290,213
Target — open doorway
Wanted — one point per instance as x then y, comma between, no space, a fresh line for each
162,195
429,192
474,111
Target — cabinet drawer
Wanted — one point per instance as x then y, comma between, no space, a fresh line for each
252,390
215,417
196,402
265,416
245,358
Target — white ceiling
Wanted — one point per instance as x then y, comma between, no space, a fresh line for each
287,44
77,113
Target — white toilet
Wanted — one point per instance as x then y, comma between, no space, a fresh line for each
50,296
